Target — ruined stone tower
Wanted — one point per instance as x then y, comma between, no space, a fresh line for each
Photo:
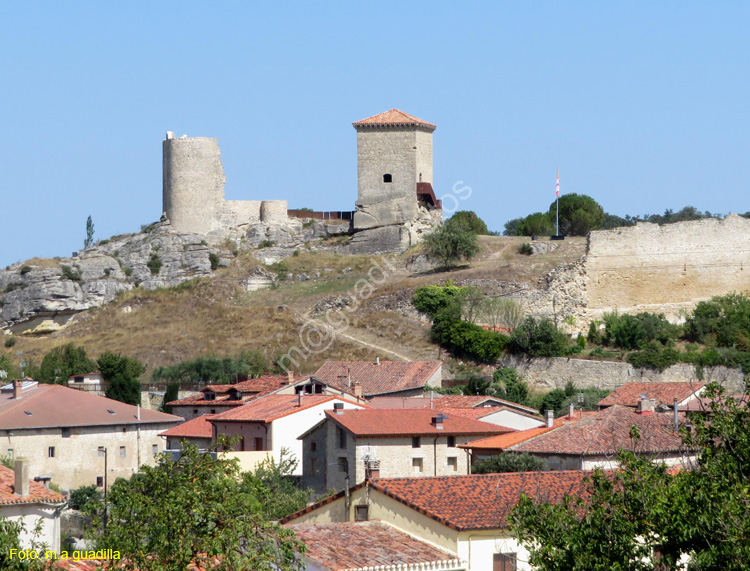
394,173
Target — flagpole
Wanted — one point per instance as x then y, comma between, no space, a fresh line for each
557,203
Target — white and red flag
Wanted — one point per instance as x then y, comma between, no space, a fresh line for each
557,186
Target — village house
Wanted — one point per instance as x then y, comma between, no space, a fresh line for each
274,422
92,382
462,515
25,501
376,378
196,432
367,545
596,439
351,445
663,394
70,436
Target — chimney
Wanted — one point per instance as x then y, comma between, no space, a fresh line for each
138,412
17,388
358,390
550,418
437,422
432,399
571,411
289,377
22,477
300,398
338,407
646,406
377,360
676,416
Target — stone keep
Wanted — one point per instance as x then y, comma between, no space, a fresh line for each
394,155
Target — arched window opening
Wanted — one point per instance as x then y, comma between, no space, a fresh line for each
387,178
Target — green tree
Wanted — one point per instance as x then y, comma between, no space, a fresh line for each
171,394
89,232
538,338
86,499
63,361
723,320
194,510
122,374
450,244
579,214
511,227
273,485
468,220
702,513
511,386
536,224
509,462
10,533
433,299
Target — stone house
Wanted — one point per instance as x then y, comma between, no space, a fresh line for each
379,378
197,432
462,515
30,503
274,422
350,445
596,439
68,436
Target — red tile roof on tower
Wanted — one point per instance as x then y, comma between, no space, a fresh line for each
608,431
378,378
664,393
393,117
199,427
57,406
409,422
37,492
271,407
366,545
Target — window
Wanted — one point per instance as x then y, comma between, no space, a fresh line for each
100,481
504,562
154,449
341,434
452,463
124,429
259,444
169,444
313,446
51,452
387,178
123,452
66,432
451,442
343,464
209,395
361,513
213,411
415,443
195,411
313,466
418,465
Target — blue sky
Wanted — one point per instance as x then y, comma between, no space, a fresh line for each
642,105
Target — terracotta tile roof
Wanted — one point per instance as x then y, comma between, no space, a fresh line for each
479,501
409,422
503,441
451,401
250,389
199,427
378,379
37,492
58,406
664,393
703,404
608,431
393,117
364,545
271,407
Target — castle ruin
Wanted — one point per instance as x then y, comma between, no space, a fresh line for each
396,204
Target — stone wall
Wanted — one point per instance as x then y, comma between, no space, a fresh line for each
556,372
667,268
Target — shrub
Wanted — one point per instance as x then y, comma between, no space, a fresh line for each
214,259
635,331
654,356
154,264
265,244
538,338
433,299
525,249
127,271
10,340
295,253
69,273
594,335
509,462
85,498
451,243
25,270
469,221
13,286
722,320
467,339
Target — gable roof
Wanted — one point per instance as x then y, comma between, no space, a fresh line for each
367,545
606,432
409,422
37,492
199,427
57,406
392,117
271,407
451,401
664,393
378,378
250,389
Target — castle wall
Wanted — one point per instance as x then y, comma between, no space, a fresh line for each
664,269
424,156
193,183
237,212
274,211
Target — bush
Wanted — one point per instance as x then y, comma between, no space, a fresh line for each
85,498
10,340
12,286
127,271
722,320
525,249
451,243
25,270
654,356
265,244
214,260
635,331
433,299
69,273
467,339
537,224
509,462
154,264
539,338
469,221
